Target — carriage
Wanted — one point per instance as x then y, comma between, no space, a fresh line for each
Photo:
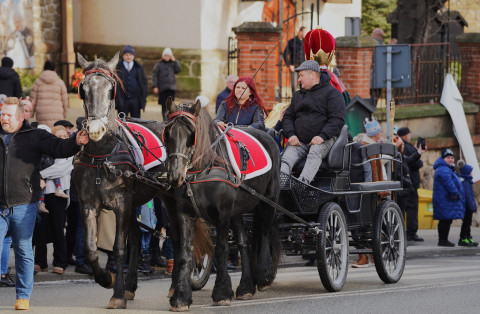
332,217
326,217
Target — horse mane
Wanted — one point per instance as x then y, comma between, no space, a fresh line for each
205,136
102,64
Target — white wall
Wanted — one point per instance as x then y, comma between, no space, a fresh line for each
332,15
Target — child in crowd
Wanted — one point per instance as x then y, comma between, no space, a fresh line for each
470,204
58,131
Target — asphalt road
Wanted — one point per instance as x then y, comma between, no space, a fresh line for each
429,285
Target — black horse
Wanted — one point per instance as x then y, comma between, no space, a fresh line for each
99,187
188,136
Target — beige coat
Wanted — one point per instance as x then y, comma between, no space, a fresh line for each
50,98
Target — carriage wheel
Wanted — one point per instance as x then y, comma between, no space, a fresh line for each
201,272
332,247
389,249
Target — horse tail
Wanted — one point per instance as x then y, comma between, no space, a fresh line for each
202,241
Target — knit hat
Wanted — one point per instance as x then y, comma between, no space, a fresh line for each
44,127
308,65
128,49
372,127
464,168
167,51
403,131
7,62
447,152
203,100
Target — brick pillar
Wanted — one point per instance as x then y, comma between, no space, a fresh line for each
254,42
469,44
354,60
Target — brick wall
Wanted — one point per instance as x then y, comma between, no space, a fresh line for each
354,60
254,41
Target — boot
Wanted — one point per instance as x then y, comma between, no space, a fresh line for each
42,208
362,261
144,264
60,193
169,268
157,260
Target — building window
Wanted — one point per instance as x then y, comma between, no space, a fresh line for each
352,26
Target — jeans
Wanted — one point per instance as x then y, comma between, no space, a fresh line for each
168,246
20,220
5,255
146,236
314,154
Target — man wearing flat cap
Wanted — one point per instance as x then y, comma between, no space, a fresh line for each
67,124
133,97
313,120
409,198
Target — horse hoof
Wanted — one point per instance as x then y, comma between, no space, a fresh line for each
112,275
170,293
222,303
264,288
117,304
246,296
179,309
129,295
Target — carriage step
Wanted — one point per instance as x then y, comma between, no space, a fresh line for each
361,251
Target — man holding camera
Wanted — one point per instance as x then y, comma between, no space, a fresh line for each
410,197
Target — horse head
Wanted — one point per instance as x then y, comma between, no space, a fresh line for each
180,137
97,91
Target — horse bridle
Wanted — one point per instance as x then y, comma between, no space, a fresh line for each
109,76
172,118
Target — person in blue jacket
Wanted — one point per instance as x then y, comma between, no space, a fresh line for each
470,204
243,107
448,196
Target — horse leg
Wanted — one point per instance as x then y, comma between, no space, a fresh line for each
133,247
267,247
246,288
174,237
89,219
182,297
118,300
222,292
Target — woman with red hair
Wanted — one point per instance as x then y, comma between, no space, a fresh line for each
243,107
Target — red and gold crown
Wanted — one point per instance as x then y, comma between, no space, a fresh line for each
319,45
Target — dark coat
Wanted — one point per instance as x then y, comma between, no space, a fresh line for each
221,97
448,194
163,76
414,164
293,53
252,116
19,174
141,83
467,182
10,83
319,111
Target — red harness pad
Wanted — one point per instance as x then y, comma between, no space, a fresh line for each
259,162
156,153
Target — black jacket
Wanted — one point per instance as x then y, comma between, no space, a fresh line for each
318,111
163,76
414,164
141,83
293,54
19,173
10,83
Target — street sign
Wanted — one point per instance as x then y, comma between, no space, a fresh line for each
400,66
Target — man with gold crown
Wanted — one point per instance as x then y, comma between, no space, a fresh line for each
316,114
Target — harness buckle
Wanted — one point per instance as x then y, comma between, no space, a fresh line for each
98,181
